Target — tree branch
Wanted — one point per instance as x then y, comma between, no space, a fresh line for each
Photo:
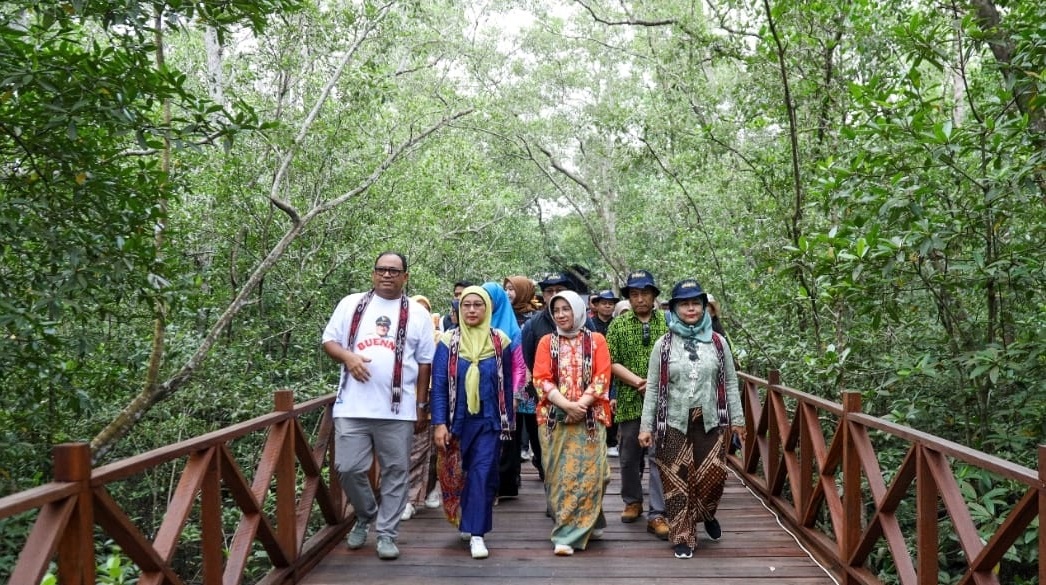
629,22
693,205
314,113
793,136
600,243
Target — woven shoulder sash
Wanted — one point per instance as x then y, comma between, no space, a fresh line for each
452,369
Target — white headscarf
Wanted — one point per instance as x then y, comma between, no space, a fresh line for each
577,304
622,306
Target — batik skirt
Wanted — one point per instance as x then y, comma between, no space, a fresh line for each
693,473
576,477
420,449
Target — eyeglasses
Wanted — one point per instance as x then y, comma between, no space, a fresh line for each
690,346
388,270
646,333
469,306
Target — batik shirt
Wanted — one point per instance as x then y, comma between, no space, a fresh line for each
631,347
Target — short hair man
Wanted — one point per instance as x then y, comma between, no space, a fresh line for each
631,338
383,389
603,304
450,320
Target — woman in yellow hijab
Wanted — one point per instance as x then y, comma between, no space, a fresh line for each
472,413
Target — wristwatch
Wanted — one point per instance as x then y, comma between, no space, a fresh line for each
423,405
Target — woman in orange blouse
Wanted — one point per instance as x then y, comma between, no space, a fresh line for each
572,378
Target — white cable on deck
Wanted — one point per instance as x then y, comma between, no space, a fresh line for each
783,527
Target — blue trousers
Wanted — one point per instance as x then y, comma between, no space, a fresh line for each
480,453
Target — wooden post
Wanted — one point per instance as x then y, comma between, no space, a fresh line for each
212,540
805,417
852,503
926,529
72,463
286,479
1042,513
333,479
773,433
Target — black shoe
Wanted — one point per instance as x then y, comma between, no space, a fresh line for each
714,530
683,551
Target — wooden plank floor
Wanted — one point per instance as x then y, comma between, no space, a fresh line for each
754,550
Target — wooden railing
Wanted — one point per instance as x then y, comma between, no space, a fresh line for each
814,460
273,508
818,464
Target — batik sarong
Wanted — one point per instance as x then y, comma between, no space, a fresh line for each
576,476
420,449
451,480
693,473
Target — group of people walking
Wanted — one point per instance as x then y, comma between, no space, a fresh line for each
664,378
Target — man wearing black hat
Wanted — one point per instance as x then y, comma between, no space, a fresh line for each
603,304
603,309
631,338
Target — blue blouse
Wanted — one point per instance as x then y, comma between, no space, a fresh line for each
439,394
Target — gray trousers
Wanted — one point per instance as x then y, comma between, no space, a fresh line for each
632,473
357,442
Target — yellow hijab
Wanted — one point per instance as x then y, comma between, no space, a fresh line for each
475,345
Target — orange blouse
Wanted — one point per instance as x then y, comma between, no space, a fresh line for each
570,375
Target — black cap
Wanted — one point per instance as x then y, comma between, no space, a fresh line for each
556,278
606,295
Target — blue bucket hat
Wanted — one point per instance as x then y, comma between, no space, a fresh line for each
639,279
687,289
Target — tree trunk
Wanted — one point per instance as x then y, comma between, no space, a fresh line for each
215,75
1023,85
152,393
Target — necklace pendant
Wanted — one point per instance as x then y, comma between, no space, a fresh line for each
693,374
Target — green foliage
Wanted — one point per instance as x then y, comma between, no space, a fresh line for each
888,242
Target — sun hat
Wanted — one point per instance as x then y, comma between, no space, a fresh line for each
688,288
639,279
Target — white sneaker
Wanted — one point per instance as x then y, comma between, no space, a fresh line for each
613,452
408,512
433,499
478,548
597,534
525,455
563,550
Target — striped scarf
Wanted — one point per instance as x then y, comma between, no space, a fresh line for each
401,342
452,367
586,378
722,406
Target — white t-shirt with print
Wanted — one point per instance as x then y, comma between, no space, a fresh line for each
373,399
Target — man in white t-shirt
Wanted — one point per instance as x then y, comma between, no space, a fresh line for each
385,344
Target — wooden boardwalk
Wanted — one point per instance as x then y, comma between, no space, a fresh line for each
754,550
